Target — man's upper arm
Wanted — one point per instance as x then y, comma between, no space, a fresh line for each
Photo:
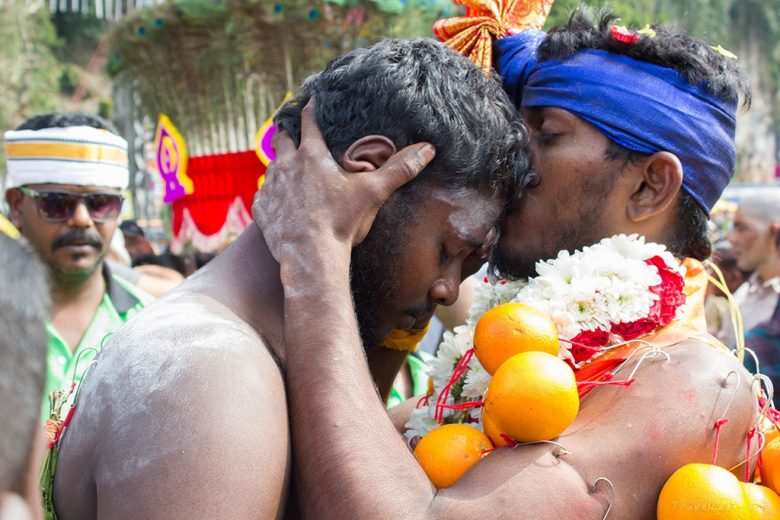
208,439
635,437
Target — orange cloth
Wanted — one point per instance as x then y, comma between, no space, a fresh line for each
405,340
689,325
472,35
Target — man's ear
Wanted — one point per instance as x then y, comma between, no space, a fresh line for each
658,181
367,153
14,198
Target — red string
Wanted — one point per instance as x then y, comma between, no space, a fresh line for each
510,443
753,431
463,406
65,424
626,383
718,426
460,369
423,401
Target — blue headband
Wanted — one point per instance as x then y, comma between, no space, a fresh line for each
640,106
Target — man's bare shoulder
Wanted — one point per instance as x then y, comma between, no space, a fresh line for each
635,437
178,397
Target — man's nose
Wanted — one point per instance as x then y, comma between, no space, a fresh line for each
81,216
445,290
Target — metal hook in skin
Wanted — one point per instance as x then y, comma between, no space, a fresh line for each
770,388
733,394
654,350
612,488
752,354
560,451
649,355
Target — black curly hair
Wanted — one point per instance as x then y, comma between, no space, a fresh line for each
419,90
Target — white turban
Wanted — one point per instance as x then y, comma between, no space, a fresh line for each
79,155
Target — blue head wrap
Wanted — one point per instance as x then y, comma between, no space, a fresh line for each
638,105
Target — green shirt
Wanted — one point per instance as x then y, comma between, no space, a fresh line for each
121,302
418,369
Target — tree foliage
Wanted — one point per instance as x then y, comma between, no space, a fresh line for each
220,69
31,72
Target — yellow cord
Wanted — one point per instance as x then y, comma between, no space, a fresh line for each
736,316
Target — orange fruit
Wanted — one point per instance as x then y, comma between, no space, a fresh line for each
532,397
511,328
493,433
762,502
703,491
447,452
771,472
770,432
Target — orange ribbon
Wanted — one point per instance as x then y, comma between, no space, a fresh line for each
486,20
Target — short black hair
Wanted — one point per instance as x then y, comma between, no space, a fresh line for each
64,120
130,228
692,58
419,90
24,300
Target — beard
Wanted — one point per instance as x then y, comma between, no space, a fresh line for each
374,274
582,229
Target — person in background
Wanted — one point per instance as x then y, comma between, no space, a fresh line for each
136,243
754,238
24,306
66,173
764,341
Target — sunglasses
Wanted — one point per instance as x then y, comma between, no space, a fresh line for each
58,206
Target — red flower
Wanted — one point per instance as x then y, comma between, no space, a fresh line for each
671,292
622,34
588,343
634,329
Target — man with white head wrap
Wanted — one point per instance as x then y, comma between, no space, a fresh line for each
66,173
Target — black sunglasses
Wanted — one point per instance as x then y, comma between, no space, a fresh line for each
58,206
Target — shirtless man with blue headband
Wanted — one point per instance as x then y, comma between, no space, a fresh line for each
632,132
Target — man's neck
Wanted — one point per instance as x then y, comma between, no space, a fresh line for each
769,269
67,293
384,365
245,279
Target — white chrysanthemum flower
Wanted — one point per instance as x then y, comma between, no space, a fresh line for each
477,380
592,289
451,349
488,295
420,423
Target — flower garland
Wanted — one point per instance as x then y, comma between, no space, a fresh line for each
615,291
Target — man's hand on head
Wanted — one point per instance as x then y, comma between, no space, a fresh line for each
308,198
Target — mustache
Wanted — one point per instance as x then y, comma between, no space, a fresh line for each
422,310
78,236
